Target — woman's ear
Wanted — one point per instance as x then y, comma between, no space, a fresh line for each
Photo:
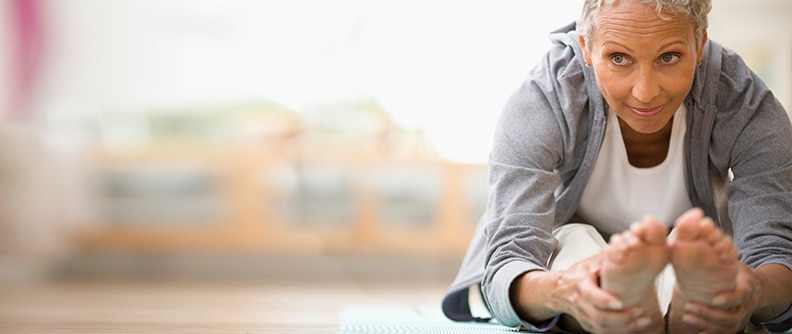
584,48
701,47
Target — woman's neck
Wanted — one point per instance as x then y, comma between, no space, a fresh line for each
646,150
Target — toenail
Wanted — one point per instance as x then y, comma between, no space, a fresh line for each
643,323
637,313
691,308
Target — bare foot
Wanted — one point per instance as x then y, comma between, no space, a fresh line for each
704,259
632,261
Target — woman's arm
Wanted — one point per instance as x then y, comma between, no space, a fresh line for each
538,296
775,292
752,138
532,295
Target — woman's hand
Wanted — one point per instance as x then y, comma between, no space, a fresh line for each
730,311
596,310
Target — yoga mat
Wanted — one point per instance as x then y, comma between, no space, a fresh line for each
409,319
386,319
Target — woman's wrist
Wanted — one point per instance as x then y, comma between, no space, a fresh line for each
532,294
774,298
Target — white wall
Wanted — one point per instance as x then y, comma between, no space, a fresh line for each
444,66
761,32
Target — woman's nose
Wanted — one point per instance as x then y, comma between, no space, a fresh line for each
645,87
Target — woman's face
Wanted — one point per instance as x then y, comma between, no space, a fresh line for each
644,64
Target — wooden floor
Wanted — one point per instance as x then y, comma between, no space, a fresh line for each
196,307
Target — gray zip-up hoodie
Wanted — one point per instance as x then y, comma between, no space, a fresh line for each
546,142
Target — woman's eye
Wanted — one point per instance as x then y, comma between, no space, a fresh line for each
619,59
669,58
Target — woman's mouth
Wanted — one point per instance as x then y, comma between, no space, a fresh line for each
646,113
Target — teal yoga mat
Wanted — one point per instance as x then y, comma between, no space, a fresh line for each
409,319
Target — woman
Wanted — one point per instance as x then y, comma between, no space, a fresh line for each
636,113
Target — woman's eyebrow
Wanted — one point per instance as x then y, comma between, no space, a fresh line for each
667,45
618,44
661,48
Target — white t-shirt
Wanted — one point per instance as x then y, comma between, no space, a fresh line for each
618,193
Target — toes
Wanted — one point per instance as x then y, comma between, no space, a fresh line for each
715,235
631,239
617,250
649,231
693,227
688,225
655,232
707,228
725,248
637,227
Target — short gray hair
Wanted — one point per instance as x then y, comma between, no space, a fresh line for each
695,10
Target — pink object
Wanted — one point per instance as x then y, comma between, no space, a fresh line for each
28,45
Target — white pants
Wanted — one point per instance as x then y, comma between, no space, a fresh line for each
579,241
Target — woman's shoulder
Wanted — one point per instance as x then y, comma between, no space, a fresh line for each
742,105
565,54
560,73
726,85
729,77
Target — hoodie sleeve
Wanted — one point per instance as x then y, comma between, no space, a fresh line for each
750,152
536,137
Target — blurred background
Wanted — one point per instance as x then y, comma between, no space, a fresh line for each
272,140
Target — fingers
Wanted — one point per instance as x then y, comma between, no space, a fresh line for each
712,320
584,276
627,321
730,311
604,321
743,293
598,320
601,311
599,298
595,309
630,320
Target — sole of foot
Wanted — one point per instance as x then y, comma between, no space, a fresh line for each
704,258
632,261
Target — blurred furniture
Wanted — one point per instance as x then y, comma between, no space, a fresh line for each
304,191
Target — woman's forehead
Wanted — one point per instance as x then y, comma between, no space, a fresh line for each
634,19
